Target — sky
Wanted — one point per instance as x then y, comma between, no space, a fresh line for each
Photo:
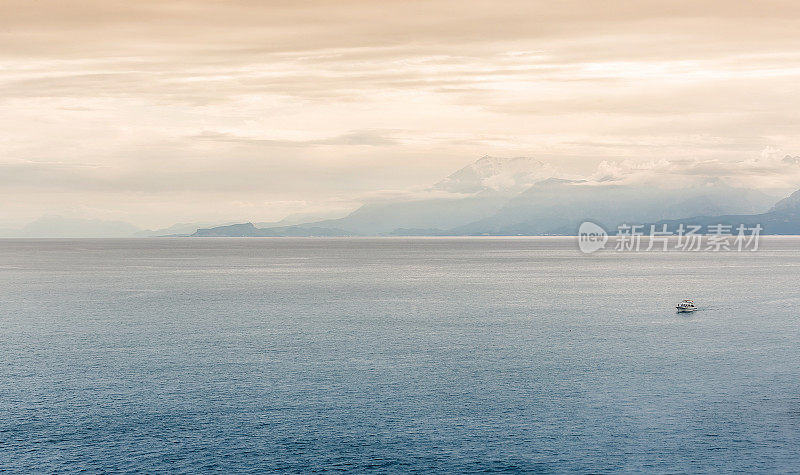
160,111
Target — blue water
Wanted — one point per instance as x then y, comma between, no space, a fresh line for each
452,355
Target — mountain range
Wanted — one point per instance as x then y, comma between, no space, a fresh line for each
521,196
496,196
53,226
783,218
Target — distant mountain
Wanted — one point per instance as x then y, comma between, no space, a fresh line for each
187,229
179,229
557,206
494,196
470,194
783,218
250,230
231,230
418,232
789,204
301,218
61,227
520,196
381,218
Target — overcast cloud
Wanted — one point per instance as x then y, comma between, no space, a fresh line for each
159,111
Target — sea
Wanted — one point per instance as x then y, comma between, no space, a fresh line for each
396,355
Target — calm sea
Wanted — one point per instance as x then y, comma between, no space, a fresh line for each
450,355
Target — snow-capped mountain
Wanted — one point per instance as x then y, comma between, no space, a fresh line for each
497,174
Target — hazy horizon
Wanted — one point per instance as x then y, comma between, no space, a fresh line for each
160,112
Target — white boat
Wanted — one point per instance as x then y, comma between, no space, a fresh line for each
686,305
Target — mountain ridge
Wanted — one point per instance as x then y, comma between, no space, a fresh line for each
481,204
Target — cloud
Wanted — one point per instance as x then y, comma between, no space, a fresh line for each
771,169
242,26
317,100
372,138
